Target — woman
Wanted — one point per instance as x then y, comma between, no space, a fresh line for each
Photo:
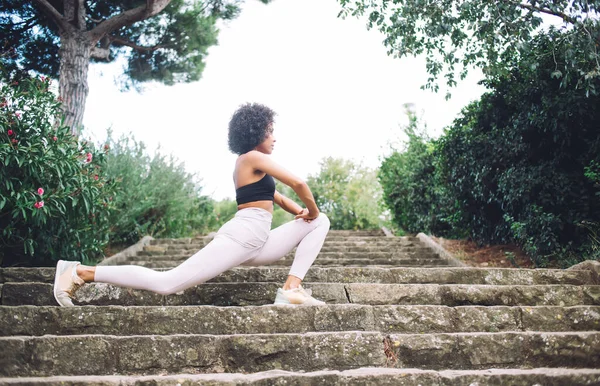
247,239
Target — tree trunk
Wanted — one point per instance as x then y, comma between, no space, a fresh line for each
75,51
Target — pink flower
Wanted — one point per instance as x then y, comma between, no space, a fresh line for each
55,138
88,157
10,132
43,78
18,114
39,204
96,177
40,191
15,141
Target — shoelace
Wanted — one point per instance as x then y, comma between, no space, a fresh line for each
76,283
307,292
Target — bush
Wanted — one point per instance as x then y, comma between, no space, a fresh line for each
348,193
154,195
55,202
413,189
521,161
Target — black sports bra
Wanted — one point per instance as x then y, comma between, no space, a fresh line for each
263,189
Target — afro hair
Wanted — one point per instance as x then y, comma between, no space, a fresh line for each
249,126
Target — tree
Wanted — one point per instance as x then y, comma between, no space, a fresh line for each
154,194
455,35
348,193
161,40
55,197
521,162
413,189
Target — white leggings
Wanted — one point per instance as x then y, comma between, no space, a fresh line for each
247,239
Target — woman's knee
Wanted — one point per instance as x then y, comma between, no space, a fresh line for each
324,220
171,282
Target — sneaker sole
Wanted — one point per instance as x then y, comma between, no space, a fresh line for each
60,267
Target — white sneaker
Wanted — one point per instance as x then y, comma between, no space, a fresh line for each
298,296
66,282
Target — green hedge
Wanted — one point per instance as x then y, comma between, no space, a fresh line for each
55,200
519,165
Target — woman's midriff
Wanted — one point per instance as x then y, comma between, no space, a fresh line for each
266,205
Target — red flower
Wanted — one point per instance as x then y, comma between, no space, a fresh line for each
55,138
39,204
15,141
96,177
10,132
40,191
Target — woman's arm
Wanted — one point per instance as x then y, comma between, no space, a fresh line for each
264,163
287,204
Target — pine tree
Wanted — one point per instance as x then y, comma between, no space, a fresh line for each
160,40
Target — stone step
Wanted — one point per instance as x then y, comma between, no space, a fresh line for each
363,232
155,264
362,376
182,255
191,248
329,241
159,320
391,275
50,355
243,294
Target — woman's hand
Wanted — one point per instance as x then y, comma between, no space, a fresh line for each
306,216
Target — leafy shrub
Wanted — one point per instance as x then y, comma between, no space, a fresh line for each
348,193
413,189
154,195
54,198
517,160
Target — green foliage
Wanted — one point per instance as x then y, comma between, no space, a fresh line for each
224,211
169,47
413,189
154,195
348,193
55,201
457,35
517,160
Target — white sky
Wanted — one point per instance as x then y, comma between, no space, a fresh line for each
335,91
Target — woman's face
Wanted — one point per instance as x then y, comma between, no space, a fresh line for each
268,144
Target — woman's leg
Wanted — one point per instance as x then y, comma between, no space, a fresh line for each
220,255
309,237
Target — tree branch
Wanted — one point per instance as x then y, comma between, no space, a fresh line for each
136,47
27,24
128,17
100,53
81,13
49,10
562,15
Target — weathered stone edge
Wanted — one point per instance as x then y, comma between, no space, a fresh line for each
387,232
589,265
121,257
445,377
440,251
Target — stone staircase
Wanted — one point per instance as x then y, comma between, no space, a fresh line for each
396,315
